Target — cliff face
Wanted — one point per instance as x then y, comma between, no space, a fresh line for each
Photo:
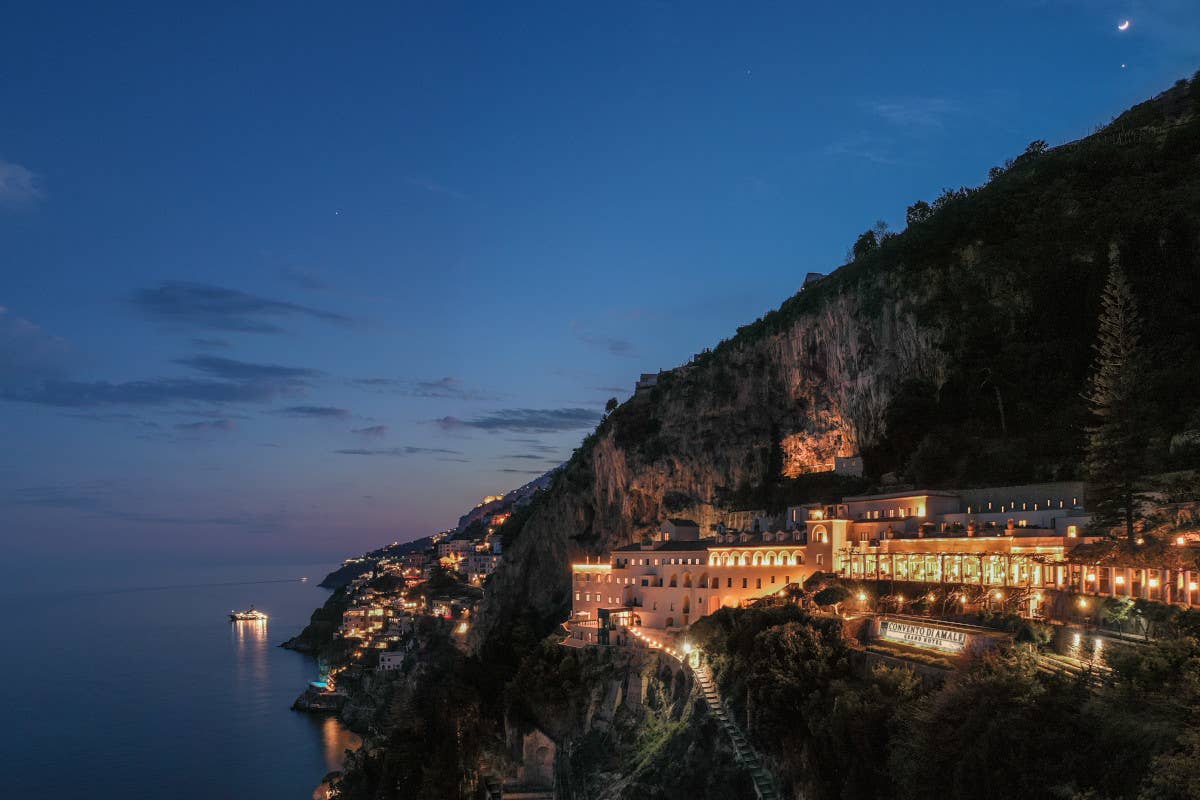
954,354
782,405
626,724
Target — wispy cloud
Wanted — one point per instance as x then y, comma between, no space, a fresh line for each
436,188
864,147
211,344
613,344
20,188
396,451
29,354
207,426
371,432
313,412
305,279
913,114
536,445
447,388
231,369
159,392
33,369
527,420
210,307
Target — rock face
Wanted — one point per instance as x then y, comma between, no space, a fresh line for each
781,405
955,354
630,725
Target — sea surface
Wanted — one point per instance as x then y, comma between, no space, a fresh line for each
148,690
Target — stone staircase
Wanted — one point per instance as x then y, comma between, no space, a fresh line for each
764,784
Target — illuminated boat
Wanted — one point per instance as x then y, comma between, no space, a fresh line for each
251,614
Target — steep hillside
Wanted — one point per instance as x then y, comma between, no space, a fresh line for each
954,353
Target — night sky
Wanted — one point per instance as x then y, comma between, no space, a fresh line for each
289,282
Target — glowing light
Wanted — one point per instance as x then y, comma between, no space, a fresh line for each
1192,586
861,597
1124,26
687,647
998,595
1083,603
1140,540
1119,580
1179,540
1154,583
1091,576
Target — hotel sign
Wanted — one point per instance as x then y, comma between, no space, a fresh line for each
923,636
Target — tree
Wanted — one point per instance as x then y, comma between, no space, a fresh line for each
865,244
1116,610
1116,450
832,596
611,405
1036,148
918,212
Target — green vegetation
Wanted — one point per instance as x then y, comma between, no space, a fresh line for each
1116,450
1011,276
1000,728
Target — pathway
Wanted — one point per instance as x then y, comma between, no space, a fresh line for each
764,785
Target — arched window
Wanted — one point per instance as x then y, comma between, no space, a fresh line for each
820,559
757,559
745,559
687,580
798,557
674,581
820,534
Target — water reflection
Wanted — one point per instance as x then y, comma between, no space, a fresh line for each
250,643
337,740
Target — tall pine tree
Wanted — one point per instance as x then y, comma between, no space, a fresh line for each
1116,446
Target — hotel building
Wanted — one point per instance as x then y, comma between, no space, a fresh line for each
1029,537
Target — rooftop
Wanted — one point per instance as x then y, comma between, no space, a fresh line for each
697,545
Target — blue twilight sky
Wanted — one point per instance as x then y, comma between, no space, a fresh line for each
296,280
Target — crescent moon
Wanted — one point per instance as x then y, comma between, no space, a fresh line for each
1124,26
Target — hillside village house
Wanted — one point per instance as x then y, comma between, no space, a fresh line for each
1013,536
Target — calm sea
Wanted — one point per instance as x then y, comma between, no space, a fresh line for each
147,690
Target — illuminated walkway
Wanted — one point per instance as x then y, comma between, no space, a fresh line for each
746,755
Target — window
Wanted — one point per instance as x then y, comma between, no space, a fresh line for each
820,559
772,579
577,595
758,581
744,583
729,583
